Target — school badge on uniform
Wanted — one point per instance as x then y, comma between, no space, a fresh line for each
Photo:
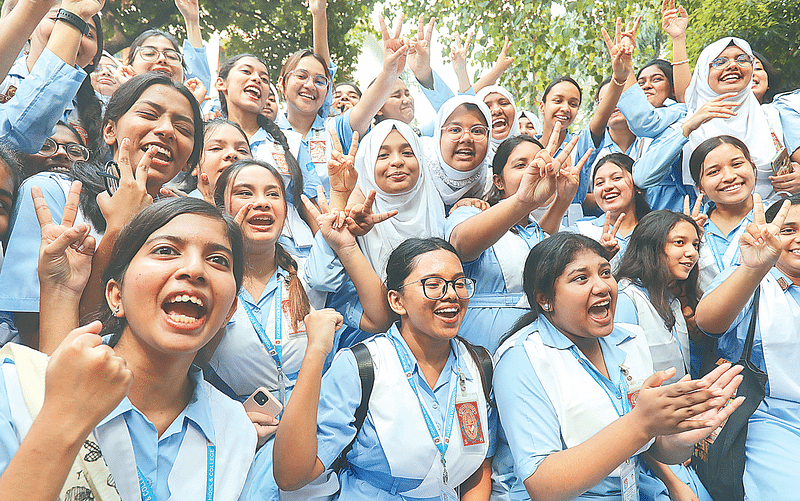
470,421
317,150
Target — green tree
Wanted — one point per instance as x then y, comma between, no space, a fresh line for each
270,28
772,27
550,38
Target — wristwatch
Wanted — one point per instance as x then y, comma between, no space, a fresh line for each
73,19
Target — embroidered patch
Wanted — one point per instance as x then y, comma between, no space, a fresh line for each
317,150
4,98
470,421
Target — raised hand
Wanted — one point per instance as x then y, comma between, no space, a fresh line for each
321,326
85,380
714,108
760,244
568,176
66,251
458,57
674,21
331,223
609,238
419,58
395,47
621,48
699,218
189,9
342,171
84,8
361,218
504,61
788,182
131,196
198,89
204,185
317,7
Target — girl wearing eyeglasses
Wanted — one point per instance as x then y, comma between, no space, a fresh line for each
306,81
429,428
58,152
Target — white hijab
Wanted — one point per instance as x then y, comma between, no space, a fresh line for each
453,184
751,124
421,211
514,130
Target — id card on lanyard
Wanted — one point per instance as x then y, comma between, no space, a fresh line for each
629,387
446,492
211,459
275,350
317,147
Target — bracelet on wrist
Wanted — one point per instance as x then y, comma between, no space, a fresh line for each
678,63
73,19
618,84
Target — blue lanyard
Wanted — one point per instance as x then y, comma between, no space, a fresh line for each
147,491
275,350
622,388
451,408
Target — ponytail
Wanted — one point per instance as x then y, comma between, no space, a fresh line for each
299,305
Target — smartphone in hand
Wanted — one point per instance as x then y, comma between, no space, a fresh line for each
262,401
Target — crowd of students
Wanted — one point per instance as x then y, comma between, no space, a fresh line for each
302,290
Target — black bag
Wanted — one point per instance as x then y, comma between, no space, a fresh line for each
719,459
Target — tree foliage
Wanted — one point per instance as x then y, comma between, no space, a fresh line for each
270,28
772,27
550,38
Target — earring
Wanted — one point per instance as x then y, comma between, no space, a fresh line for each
116,311
546,306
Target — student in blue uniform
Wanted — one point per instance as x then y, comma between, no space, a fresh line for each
573,389
623,203
243,86
429,428
657,276
224,142
725,174
50,82
770,261
155,428
151,125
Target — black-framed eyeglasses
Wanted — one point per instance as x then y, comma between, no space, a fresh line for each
110,177
742,60
74,151
436,287
455,132
320,81
151,54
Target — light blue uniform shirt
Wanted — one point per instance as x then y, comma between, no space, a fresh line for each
491,312
154,455
528,416
42,98
340,396
261,144
773,435
19,279
196,60
787,105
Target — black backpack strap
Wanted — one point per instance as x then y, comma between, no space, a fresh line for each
487,367
366,373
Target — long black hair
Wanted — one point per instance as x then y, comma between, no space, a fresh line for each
703,149
645,263
268,125
545,263
504,150
666,69
640,206
120,103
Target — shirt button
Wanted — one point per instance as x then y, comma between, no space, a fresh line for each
619,396
435,405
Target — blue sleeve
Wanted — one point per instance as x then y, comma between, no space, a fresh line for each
440,92
41,99
626,311
643,118
343,128
744,314
585,141
339,397
529,419
345,300
457,217
654,164
9,444
323,270
197,64
19,280
325,110
788,106
469,92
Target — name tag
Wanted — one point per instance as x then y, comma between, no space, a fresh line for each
469,420
627,478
